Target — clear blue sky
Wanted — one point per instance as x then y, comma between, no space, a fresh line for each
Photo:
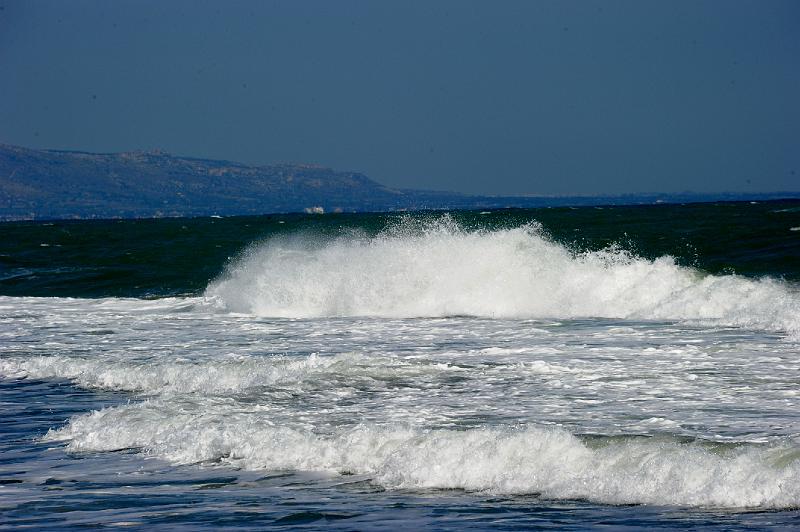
496,97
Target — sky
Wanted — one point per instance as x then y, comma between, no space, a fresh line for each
490,97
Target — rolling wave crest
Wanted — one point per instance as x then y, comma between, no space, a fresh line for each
438,268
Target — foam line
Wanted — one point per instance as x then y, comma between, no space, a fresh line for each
533,460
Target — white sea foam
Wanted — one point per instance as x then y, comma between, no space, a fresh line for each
455,402
225,374
440,269
546,461
231,374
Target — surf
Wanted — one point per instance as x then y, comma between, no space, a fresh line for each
546,461
438,268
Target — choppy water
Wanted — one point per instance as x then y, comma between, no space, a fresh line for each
443,371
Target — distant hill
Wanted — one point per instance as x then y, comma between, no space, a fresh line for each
51,184
61,184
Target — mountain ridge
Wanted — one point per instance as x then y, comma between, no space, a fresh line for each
62,184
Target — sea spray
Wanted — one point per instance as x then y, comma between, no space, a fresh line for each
438,268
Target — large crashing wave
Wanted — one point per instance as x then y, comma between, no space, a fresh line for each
440,269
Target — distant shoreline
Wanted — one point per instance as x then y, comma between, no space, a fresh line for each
61,185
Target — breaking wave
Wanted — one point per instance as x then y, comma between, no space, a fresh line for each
549,462
431,269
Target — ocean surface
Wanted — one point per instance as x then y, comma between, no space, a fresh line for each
616,367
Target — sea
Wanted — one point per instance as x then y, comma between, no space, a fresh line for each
630,367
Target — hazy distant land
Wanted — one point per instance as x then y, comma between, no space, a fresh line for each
52,184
